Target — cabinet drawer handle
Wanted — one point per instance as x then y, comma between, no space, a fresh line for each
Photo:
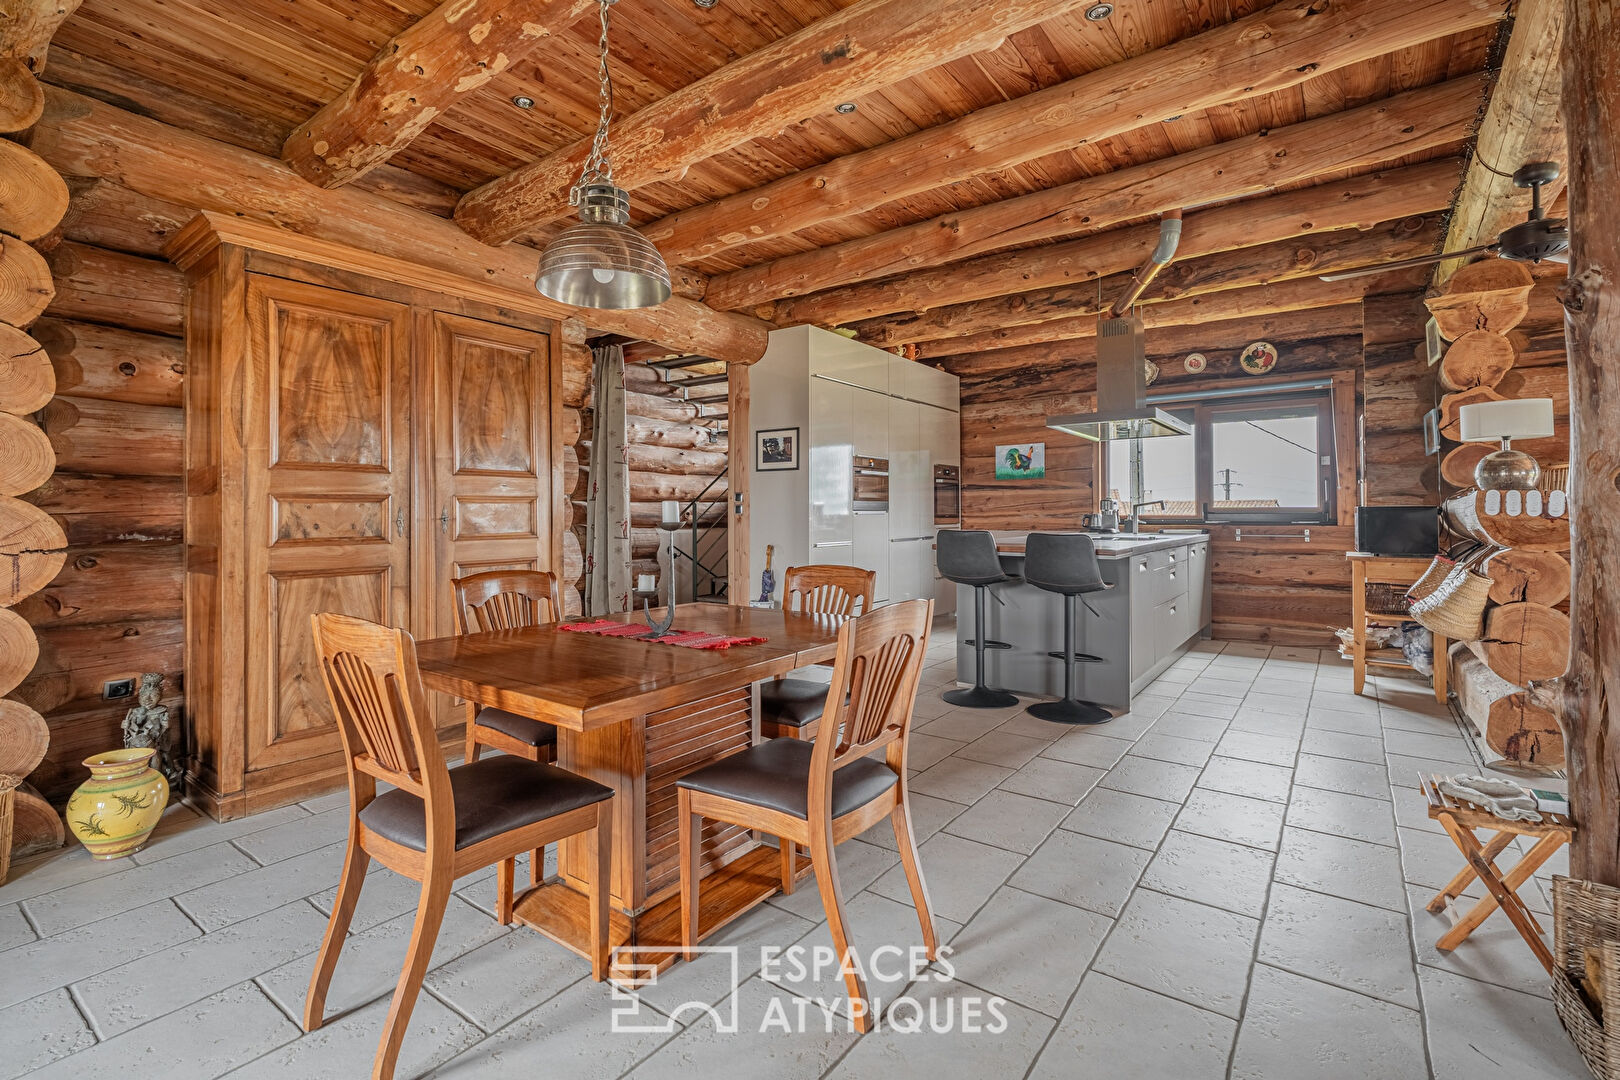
833,543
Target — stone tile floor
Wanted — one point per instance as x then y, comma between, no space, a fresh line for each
1227,881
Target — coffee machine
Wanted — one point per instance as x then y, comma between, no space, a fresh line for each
1106,520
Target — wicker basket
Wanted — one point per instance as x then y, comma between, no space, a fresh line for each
1430,579
1586,916
1456,608
1385,599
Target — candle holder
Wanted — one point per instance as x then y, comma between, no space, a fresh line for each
661,628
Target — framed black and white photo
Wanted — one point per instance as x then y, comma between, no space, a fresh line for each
776,450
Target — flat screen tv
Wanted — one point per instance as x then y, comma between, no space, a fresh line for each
1398,530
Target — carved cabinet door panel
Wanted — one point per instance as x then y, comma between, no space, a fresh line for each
327,431
491,501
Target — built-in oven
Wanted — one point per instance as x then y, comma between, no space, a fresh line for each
870,486
947,495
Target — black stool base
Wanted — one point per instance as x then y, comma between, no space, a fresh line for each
981,697
988,644
1069,711
1079,657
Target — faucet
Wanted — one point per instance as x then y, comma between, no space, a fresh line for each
1136,514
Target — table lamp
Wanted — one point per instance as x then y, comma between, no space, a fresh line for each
1506,469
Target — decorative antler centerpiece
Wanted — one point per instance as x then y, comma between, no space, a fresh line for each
669,522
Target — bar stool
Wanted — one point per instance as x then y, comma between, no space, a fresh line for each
968,557
1066,563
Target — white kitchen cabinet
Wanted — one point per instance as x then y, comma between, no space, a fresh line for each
847,400
941,434
828,460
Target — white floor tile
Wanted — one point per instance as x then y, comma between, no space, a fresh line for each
1097,875
1027,948
1123,818
1224,875
1005,820
1482,1032
960,875
1355,946
1192,952
1140,1035
1304,1030
40,1030
30,970
133,886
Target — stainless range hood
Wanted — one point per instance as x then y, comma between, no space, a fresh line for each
1121,387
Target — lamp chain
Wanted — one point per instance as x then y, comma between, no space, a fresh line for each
598,167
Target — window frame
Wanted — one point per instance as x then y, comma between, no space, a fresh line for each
1207,412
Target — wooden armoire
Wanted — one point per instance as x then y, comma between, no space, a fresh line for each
358,432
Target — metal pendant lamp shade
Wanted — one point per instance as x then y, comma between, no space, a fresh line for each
602,262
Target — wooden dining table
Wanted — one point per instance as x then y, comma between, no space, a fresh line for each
637,715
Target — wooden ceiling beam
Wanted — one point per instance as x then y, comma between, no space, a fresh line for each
865,47
1358,203
936,332
1521,124
27,26
82,136
1279,47
432,64
1231,304
1412,122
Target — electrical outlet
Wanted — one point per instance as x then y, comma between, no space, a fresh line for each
114,689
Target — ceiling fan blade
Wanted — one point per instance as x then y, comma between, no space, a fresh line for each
1402,264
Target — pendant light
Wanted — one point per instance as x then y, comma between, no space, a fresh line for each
602,262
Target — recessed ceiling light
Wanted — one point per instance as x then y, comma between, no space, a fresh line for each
844,107
523,102
1099,12
705,4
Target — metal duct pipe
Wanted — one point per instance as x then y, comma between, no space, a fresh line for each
1169,238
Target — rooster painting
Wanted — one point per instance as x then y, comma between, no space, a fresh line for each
1021,463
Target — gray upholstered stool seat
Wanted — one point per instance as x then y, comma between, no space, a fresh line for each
968,557
1066,564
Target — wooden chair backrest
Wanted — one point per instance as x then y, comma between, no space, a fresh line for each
874,680
505,600
828,590
382,715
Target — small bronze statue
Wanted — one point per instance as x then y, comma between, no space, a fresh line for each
147,724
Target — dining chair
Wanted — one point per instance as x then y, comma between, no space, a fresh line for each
437,823
506,600
818,794
791,708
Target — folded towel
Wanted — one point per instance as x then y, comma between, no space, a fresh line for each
1503,798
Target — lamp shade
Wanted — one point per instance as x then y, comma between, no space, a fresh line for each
602,262
1487,421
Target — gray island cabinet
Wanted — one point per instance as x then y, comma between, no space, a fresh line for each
1158,608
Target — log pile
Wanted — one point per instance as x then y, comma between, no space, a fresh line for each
1506,680
33,545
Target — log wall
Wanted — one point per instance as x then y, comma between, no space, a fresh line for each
1278,591
114,332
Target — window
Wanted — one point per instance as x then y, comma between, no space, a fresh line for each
1259,458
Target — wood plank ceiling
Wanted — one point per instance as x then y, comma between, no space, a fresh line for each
260,68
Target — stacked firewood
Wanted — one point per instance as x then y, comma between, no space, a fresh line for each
1505,679
33,547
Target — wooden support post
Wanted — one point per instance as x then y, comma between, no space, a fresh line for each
739,446
1591,297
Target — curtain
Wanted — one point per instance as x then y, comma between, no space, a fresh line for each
607,511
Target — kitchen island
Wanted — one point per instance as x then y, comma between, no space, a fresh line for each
1158,608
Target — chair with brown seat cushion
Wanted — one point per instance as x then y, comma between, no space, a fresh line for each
437,824
508,600
790,707
816,794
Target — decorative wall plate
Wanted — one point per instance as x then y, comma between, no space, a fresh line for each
1195,363
1259,358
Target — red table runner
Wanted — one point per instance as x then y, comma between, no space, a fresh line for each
686,639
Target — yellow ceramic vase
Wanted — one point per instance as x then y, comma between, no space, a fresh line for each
114,812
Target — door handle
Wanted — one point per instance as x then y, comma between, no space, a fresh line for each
444,520
399,523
